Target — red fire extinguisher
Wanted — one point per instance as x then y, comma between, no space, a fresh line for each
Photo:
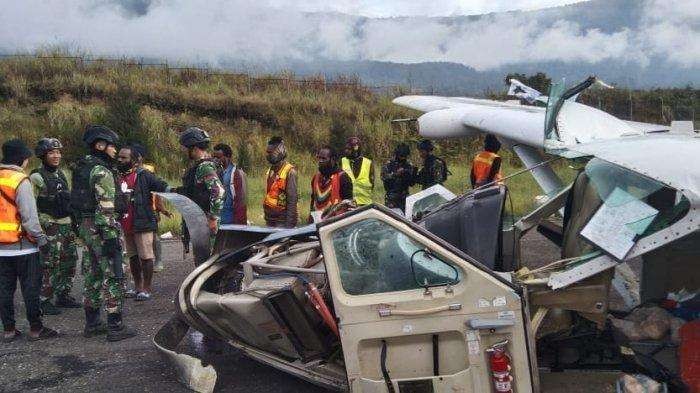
499,361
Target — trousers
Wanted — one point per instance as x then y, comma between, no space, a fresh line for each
27,270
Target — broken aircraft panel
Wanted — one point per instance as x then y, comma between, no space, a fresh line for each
372,302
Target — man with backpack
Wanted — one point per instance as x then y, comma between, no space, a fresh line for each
434,170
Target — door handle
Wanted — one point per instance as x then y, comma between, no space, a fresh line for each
488,323
387,312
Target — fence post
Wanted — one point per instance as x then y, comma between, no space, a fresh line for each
630,97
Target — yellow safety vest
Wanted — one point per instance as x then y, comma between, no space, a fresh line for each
10,221
361,185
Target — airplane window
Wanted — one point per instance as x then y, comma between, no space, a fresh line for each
374,257
596,186
671,204
605,177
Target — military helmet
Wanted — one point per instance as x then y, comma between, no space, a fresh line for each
45,145
193,136
94,133
426,144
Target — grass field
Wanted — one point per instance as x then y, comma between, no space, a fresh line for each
58,97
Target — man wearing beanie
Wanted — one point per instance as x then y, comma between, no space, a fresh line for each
21,237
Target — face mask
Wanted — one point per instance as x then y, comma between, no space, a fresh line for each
124,167
105,157
326,169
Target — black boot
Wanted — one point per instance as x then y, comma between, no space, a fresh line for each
117,330
93,324
67,301
47,308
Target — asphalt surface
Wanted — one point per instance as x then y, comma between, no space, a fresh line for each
71,363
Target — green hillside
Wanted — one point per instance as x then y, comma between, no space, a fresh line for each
58,97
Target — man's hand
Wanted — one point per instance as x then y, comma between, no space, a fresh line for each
44,250
213,223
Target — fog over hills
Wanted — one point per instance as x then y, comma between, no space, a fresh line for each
637,43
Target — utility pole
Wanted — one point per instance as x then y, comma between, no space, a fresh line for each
630,91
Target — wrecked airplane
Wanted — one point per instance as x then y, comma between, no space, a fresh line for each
371,301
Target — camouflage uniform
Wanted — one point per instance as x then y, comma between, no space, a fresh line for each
101,282
201,183
206,174
434,171
58,264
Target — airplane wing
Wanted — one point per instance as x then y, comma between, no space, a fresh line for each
448,117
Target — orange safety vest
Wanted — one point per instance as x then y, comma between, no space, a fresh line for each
481,168
10,221
276,196
328,197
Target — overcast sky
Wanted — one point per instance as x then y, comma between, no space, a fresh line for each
219,32
388,8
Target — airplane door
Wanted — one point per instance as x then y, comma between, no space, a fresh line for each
414,315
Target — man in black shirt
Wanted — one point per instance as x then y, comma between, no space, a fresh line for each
398,175
434,170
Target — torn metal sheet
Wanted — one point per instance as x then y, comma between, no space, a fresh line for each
189,370
617,222
580,272
550,207
196,222
626,286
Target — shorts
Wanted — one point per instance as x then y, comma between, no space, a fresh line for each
141,244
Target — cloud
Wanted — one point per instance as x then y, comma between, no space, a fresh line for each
273,31
393,8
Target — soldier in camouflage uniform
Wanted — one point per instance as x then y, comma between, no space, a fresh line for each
98,202
201,182
53,203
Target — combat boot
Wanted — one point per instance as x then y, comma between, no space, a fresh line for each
93,324
67,301
117,330
47,308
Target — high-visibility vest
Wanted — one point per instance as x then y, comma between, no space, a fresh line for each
328,197
481,168
276,195
10,221
361,185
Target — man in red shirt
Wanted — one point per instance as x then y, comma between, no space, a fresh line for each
139,224
330,186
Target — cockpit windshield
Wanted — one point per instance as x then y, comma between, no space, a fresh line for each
612,207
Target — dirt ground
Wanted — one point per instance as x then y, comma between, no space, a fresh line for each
72,363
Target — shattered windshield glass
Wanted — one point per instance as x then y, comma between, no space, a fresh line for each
427,204
375,257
